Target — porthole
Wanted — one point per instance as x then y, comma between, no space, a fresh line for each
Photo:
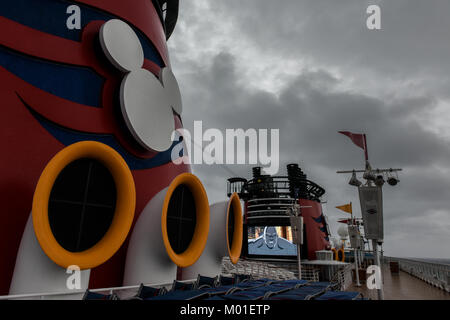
83,205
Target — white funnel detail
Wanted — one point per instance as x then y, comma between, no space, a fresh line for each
36,273
147,260
154,250
220,241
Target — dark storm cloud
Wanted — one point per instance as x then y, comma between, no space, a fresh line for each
315,101
414,36
309,112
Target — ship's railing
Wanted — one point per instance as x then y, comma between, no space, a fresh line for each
276,270
436,274
268,207
344,277
122,292
273,187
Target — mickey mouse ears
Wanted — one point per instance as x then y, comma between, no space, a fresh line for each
172,90
121,46
145,101
146,110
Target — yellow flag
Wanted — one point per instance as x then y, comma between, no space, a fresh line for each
346,207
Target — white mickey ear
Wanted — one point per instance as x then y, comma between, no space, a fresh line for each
121,45
172,90
145,108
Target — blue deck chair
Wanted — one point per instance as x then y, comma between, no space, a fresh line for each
244,295
218,290
145,292
257,293
205,282
251,284
302,293
226,281
320,284
88,295
258,285
214,298
238,278
182,295
339,295
182,286
229,289
294,281
266,280
323,284
327,286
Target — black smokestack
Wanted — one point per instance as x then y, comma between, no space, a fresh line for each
297,181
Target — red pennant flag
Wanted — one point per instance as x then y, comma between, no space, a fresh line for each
359,139
347,221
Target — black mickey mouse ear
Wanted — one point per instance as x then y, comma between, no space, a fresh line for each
168,13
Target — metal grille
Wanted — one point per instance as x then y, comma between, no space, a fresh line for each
272,270
269,206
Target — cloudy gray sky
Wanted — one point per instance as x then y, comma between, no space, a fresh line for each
311,68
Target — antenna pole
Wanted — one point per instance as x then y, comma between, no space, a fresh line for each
358,284
377,263
366,153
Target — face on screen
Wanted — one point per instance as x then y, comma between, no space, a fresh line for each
271,240
270,237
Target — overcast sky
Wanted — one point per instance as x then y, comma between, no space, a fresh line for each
311,68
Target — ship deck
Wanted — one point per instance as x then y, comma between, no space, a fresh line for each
403,286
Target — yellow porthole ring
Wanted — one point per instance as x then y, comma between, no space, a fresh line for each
235,251
335,254
123,216
198,242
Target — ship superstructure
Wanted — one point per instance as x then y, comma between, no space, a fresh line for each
266,201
